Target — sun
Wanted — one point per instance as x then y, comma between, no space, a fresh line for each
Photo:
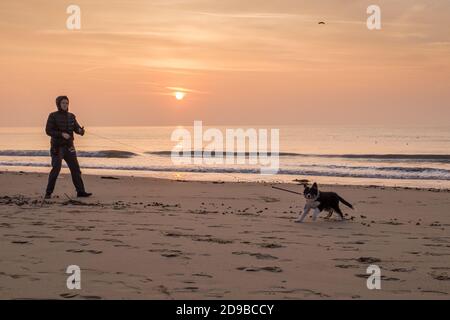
179,95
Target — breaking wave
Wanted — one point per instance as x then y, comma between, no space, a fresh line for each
84,154
397,172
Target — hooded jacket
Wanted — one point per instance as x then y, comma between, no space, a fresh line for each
59,122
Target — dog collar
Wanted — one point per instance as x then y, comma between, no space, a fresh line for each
318,195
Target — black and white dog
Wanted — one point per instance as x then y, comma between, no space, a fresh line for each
319,201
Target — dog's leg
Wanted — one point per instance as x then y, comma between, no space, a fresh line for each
305,213
315,214
338,210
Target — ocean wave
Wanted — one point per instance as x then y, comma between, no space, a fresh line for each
214,153
308,170
377,168
445,158
437,158
414,157
83,154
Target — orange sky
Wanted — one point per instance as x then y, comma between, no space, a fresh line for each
240,62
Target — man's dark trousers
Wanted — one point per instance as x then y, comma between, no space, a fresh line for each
70,157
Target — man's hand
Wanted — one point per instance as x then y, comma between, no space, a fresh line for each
66,136
81,131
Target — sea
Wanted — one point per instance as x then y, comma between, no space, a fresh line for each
403,156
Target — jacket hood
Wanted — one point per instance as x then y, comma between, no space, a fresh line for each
58,102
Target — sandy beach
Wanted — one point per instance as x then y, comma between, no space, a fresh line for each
147,238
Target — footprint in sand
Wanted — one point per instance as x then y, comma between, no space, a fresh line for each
350,242
21,242
175,254
270,245
256,269
440,268
434,292
384,278
364,260
81,251
91,297
260,256
68,295
368,260
273,238
14,276
347,266
38,223
39,237
186,289
164,289
282,290
202,275
269,199
109,240
5,225
170,253
440,276
196,237
403,269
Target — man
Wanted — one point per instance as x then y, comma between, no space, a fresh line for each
61,125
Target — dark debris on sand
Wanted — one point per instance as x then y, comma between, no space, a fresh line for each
368,260
79,203
18,200
162,205
440,276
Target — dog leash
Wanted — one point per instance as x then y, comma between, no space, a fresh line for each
278,188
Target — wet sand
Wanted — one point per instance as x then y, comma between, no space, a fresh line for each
145,238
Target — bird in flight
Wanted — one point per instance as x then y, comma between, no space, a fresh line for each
321,22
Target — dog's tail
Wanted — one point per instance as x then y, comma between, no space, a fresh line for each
345,202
